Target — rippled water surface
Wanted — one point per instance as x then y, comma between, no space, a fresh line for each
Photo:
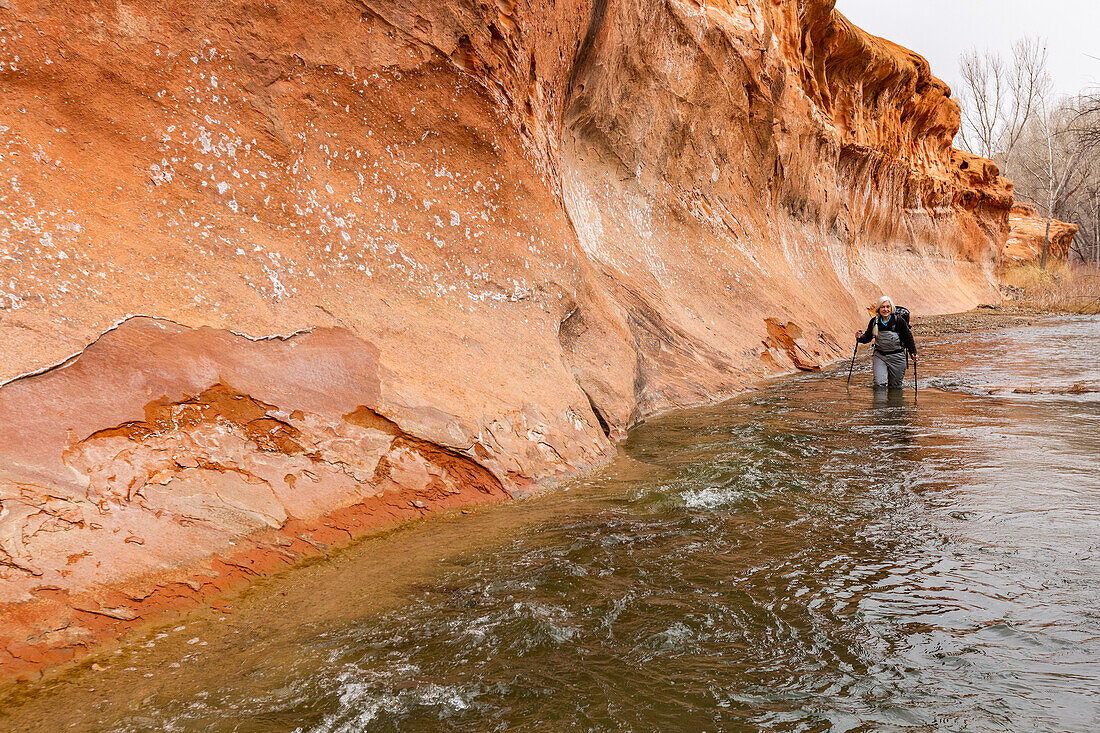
804,558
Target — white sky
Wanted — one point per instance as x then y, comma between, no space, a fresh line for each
940,30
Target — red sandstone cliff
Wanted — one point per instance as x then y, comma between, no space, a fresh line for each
1027,230
271,273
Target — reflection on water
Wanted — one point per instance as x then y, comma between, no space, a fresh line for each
805,558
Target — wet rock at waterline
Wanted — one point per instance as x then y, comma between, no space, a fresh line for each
805,556
393,252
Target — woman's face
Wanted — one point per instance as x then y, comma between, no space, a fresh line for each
884,310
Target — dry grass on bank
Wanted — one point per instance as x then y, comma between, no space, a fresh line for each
1060,288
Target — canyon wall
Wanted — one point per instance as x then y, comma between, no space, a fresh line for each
271,274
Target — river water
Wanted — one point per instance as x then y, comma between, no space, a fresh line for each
803,558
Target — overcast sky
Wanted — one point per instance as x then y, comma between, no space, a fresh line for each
940,30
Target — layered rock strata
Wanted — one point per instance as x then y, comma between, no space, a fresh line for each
273,274
1027,232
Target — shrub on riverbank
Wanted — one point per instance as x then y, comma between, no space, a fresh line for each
1060,287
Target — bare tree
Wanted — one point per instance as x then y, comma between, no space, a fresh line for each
1088,124
1085,209
1048,146
1086,244
984,85
998,99
1051,167
1087,127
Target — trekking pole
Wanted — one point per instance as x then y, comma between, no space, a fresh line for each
850,368
914,379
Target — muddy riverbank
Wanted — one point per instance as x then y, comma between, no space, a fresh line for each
983,318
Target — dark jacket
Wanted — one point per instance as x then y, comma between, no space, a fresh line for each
898,325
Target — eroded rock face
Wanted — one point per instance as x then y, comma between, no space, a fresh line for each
1027,230
215,442
490,237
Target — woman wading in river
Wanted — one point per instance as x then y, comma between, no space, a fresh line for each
892,339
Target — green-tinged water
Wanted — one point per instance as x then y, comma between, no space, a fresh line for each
803,558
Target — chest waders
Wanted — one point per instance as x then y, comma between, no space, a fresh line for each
890,360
